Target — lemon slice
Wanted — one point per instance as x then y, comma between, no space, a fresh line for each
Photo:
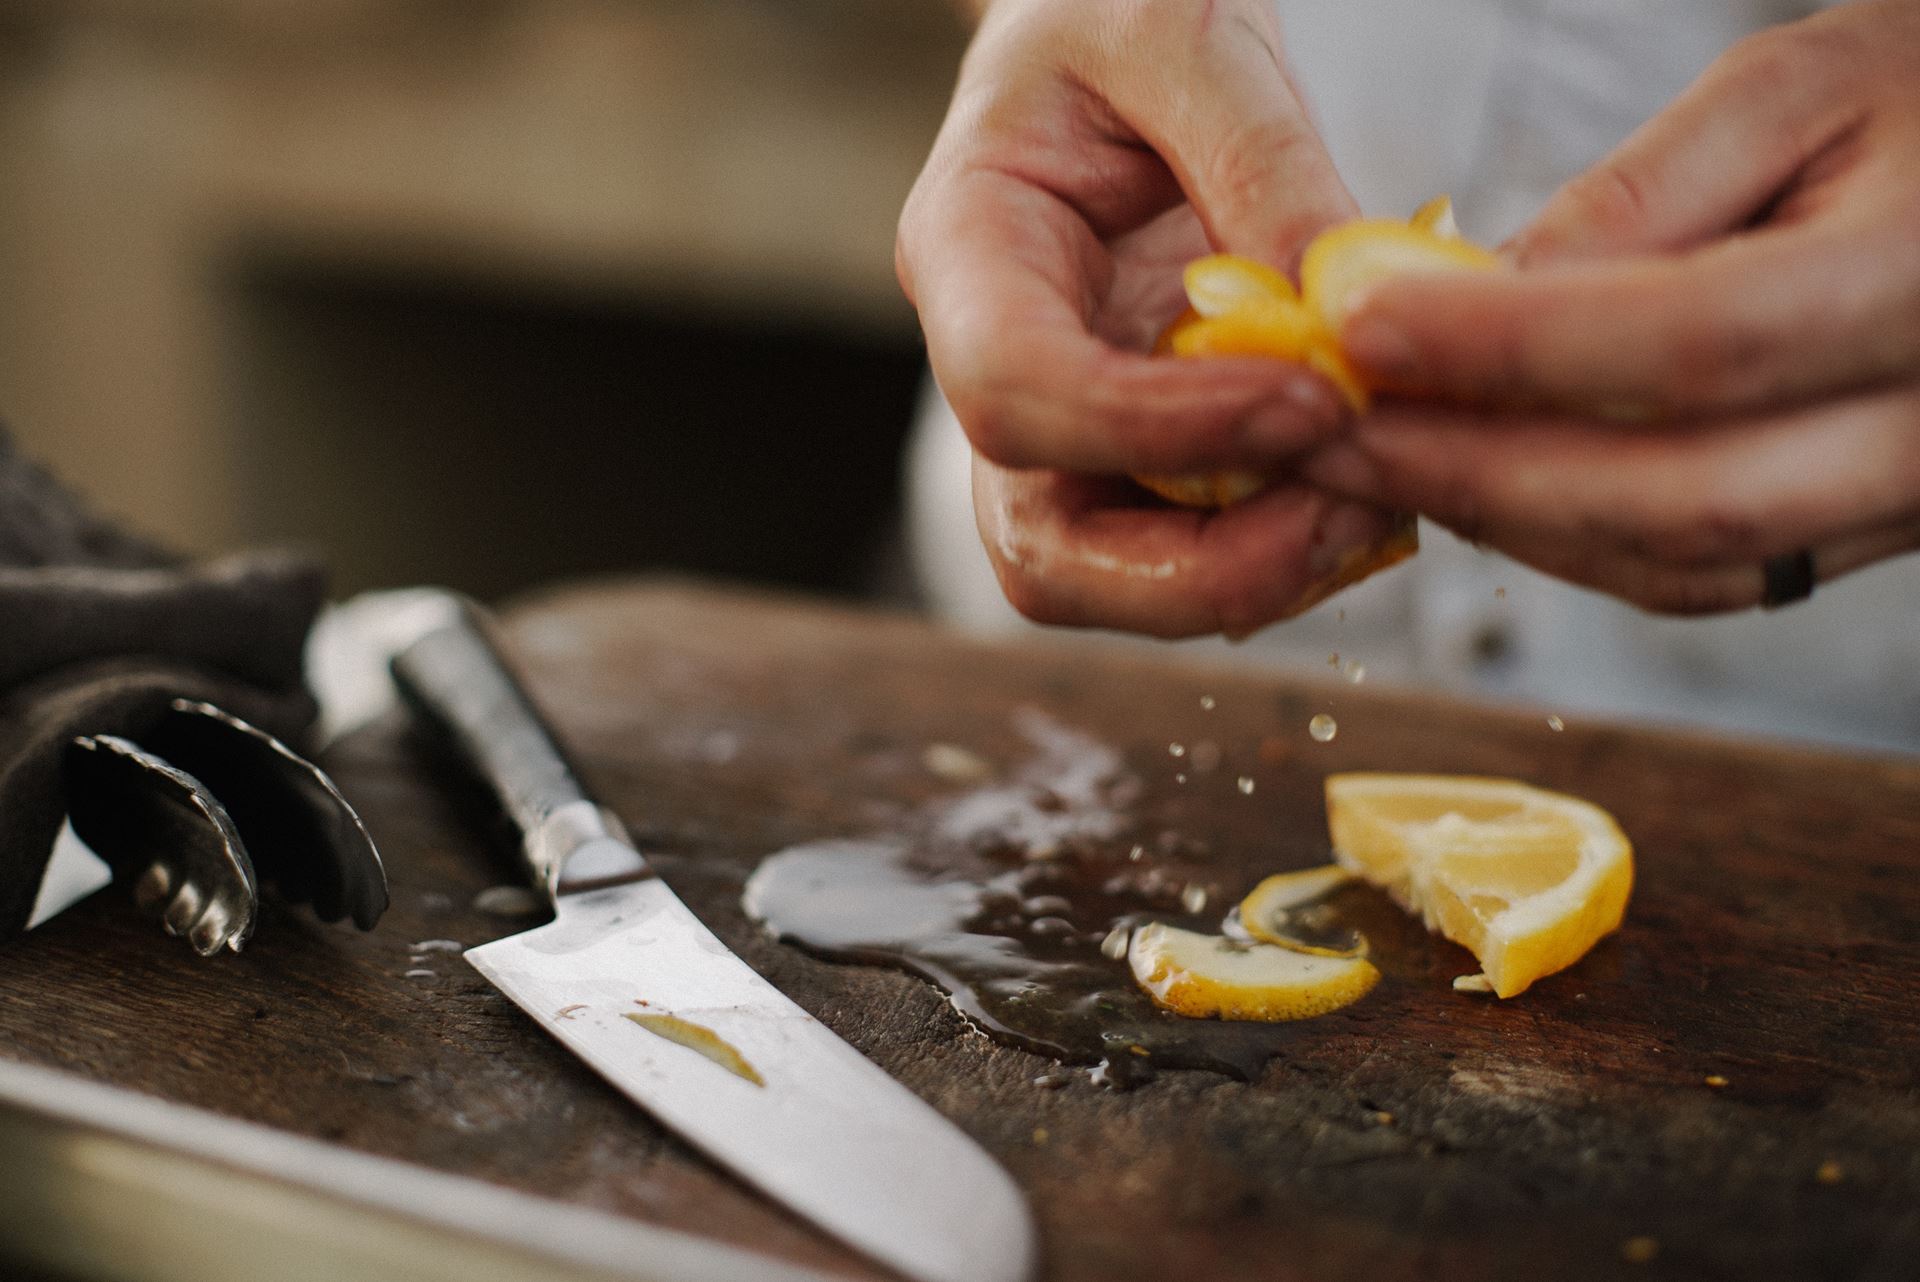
1211,977
1282,908
1221,284
1345,260
1527,880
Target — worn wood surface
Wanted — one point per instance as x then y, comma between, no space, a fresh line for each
1774,940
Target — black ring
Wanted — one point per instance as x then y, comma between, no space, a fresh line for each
1788,578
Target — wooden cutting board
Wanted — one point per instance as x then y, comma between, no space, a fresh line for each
1773,941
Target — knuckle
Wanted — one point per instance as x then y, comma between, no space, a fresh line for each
1768,59
1718,364
1248,165
1612,197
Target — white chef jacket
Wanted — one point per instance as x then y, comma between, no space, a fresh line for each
1498,102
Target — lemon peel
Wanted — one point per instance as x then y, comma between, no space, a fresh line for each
1212,977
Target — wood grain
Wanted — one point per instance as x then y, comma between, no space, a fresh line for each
1774,940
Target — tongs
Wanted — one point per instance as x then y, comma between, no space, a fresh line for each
203,808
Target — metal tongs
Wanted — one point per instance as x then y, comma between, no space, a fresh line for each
203,808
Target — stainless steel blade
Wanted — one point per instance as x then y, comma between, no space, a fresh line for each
635,985
631,981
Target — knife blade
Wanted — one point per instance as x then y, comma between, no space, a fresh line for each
627,978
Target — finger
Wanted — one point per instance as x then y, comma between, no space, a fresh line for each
1751,321
1217,105
1663,588
1708,163
1086,552
1734,494
1001,273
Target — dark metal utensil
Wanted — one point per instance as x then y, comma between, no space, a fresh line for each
207,807
300,832
160,827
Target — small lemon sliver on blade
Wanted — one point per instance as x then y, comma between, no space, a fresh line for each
1211,977
1222,283
1266,910
1526,879
1342,262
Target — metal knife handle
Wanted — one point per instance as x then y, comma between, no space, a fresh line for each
457,681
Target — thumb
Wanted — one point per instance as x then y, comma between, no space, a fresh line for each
1222,113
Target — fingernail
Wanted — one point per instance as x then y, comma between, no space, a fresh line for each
1351,543
1350,531
1379,347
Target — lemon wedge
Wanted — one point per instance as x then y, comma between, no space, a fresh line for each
1344,260
1240,307
1280,909
1526,879
1221,284
1212,977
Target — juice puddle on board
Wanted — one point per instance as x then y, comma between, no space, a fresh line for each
1031,951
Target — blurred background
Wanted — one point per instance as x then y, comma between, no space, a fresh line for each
477,292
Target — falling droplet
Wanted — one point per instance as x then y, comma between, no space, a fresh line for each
1501,593
1176,750
1356,672
1323,728
1137,854
1333,660
1180,778
1193,898
1555,723
1206,703
1246,786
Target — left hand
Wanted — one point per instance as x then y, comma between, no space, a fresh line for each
1712,354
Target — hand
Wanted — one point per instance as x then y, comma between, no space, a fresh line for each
1093,148
1712,354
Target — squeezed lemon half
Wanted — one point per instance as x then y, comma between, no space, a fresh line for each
1239,307
1213,977
1525,879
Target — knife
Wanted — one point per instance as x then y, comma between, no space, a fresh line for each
631,981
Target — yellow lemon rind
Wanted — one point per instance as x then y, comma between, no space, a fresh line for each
1211,977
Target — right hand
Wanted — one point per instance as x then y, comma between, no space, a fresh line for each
1093,148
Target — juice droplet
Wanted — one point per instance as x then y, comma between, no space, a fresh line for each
1176,750
1206,703
1501,593
1180,778
1556,724
1356,672
1323,728
1115,944
1193,898
1246,785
